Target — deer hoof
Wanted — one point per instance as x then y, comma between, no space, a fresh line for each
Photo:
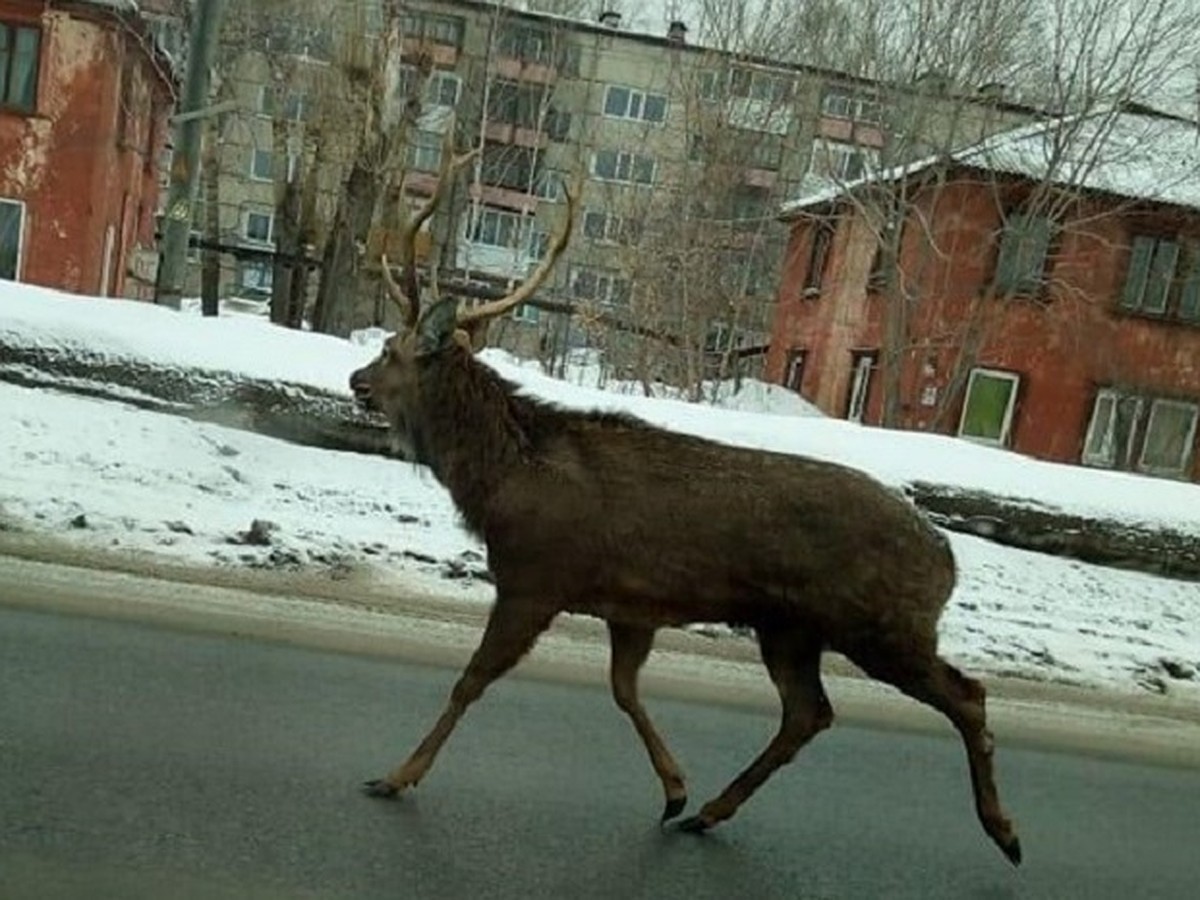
1013,851
380,788
673,808
693,825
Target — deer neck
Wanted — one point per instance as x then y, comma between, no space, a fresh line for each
468,434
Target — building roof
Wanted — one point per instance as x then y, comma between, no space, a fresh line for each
1135,153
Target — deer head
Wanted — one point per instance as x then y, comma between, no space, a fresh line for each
392,383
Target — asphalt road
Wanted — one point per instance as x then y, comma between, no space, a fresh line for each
137,761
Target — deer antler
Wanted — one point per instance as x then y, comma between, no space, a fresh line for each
472,318
408,297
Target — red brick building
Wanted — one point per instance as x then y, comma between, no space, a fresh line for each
1041,301
85,98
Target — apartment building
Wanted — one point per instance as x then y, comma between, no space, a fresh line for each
686,154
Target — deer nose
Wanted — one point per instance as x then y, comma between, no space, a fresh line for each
360,386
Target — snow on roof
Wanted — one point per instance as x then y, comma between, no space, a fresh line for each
1136,155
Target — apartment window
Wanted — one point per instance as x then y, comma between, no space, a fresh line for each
441,88
12,238
1024,249
424,151
596,285
515,103
557,125
617,165
509,166
525,43
757,84
1128,430
549,185
262,165
987,412
627,103
257,276
841,103
295,104
527,313
1163,278
842,161
259,227
20,52
434,28
711,85
496,228
862,367
818,257
608,228
793,372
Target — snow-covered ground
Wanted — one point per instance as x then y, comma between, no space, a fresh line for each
106,474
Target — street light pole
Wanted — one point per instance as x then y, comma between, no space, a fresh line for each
189,127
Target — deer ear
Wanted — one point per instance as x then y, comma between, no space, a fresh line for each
435,330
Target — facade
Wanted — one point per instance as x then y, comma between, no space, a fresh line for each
687,153
1063,323
84,106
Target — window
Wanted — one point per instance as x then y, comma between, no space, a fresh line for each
1024,247
441,88
424,151
262,165
988,409
436,29
515,103
842,161
757,84
295,104
496,228
793,372
627,103
818,257
549,185
616,165
711,85
259,227
609,228
557,125
597,285
20,51
525,43
862,366
1157,433
842,103
12,236
509,166
257,276
1170,432
527,313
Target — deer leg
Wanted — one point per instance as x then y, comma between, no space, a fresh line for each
630,647
793,660
934,682
510,633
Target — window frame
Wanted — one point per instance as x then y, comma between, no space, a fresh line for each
1006,425
11,30
1188,443
23,222
1008,256
642,97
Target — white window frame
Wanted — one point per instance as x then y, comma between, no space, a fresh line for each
257,153
424,151
635,105
527,313
839,156
257,266
1006,424
613,229
630,159
1106,457
860,385
843,103
270,217
608,277
1188,443
24,221
432,87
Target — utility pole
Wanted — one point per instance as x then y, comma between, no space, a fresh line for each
189,127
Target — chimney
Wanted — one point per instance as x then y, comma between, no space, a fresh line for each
677,33
611,18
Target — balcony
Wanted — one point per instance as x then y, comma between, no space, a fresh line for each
517,69
752,114
849,131
508,198
760,178
506,133
442,55
500,262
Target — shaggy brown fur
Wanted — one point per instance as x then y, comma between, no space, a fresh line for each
605,515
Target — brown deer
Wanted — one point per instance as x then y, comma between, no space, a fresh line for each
605,515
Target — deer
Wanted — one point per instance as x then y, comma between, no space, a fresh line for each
605,515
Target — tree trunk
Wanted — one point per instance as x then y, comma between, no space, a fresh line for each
339,289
